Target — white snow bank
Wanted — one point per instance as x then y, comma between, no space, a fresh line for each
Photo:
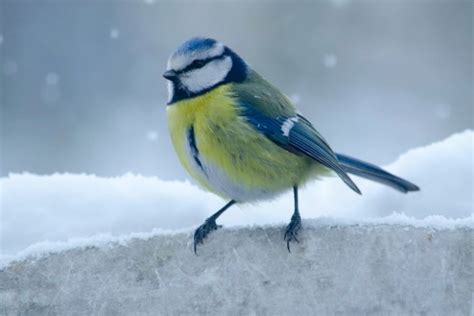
345,269
41,208
41,249
62,206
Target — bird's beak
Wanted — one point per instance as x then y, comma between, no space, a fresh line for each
170,74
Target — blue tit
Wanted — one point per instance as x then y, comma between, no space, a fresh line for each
243,139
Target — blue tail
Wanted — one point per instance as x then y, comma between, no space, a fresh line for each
372,172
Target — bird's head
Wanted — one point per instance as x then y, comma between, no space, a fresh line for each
199,65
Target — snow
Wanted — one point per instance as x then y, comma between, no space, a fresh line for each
42,249
436,222
90,210
52,79
340,3
152,135
114,33
61,206
330,60
349,270
69,245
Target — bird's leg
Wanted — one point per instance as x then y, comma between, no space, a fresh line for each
209,225
295,224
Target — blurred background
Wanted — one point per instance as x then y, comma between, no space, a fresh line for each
81,88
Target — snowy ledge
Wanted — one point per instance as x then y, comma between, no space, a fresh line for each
42,249
394,265
57,207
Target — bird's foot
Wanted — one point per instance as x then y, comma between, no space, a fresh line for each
292,229
202,231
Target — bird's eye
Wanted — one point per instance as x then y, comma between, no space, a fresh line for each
199,63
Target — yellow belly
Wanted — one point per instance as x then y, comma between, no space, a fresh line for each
239,163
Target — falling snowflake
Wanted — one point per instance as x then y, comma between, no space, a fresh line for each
330,60
340,3
152,136
52,79
114,33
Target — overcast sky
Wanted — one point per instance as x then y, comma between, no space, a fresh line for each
81,86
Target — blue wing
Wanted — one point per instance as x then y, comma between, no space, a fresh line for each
296,134
271,113
372,172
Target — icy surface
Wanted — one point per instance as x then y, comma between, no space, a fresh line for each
368,269
62,206
83,256
42,249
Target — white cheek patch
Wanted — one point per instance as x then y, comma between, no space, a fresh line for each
288,125
203,78
181,61
170,90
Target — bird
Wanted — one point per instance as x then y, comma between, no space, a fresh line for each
243,139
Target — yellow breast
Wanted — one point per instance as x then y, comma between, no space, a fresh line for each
238,162
199,113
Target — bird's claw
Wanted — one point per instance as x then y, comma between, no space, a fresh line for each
202,231
292,230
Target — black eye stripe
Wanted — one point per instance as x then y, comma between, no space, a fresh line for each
199,63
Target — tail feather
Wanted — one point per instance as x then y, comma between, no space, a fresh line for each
372,172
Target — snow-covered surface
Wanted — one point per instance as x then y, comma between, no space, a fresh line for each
52,209
369,269
105,240
61,206
70,245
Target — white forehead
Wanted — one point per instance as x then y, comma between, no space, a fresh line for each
180,60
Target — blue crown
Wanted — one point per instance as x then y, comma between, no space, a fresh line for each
196,43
